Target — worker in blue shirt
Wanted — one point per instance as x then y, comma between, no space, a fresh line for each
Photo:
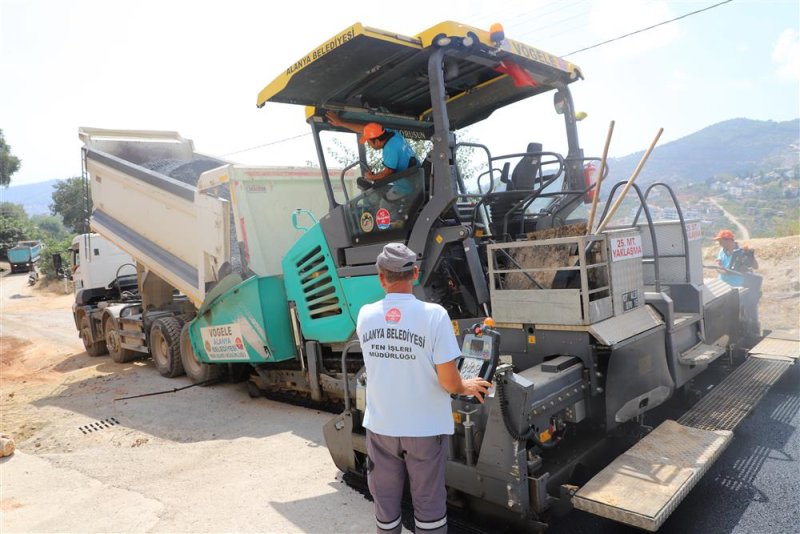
397,153
733,258
736,260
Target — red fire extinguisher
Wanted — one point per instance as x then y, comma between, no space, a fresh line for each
588,179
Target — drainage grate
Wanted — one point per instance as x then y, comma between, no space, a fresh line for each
730,402
98,425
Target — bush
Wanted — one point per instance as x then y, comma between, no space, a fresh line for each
54,246
788,228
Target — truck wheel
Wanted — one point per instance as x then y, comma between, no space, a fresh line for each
253,390
239,372
195,369
165,346
96,348
114,343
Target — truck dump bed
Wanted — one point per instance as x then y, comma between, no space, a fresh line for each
25,252
143,186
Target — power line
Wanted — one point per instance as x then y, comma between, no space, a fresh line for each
265,144
559,8
538,15
648,28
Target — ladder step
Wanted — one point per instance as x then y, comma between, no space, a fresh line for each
701,354
643,486
682,320
137,348
736,396
132,333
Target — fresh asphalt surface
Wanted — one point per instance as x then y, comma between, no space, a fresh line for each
753,488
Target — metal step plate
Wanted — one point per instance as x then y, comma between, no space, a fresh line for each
701,354
643,486
778,345
736,396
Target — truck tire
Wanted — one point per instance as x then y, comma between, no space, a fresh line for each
114,343
195,369
239,372
93,348
165,346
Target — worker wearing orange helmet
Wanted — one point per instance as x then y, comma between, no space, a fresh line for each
733,258
397,153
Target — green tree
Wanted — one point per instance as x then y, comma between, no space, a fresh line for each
71,202
50,226
9,164
344,155
14,226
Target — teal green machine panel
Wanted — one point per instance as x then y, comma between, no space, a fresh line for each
361,290
327,306
247,323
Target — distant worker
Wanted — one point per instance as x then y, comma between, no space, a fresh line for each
410,352
397,153
733,258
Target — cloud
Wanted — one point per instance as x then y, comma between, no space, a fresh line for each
609,20
786,55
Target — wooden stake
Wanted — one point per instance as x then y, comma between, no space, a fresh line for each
628,185
590,223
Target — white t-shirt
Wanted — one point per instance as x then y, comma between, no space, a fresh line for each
402,340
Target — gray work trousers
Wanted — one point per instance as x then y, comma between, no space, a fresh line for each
424,459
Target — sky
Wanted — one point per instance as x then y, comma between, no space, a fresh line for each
197,66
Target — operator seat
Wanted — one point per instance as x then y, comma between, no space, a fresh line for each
518,186
527,170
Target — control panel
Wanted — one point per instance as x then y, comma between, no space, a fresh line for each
480,352
476,356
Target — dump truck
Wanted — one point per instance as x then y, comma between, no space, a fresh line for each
24,256
165,239
589,333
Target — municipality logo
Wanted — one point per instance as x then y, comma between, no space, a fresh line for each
393,316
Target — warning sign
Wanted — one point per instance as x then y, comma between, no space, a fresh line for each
383,219
224,343
693,232
626,248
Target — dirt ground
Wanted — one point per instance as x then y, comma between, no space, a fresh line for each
199,460
203,459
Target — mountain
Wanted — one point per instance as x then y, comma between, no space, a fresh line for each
733,147
35,198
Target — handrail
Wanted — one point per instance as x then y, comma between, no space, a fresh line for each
536,193
346,388
678,209
642,203
341,179
477,145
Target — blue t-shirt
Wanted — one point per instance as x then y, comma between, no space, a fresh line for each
397,153
402,340
724,260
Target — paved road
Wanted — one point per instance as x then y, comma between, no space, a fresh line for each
751,489
743,232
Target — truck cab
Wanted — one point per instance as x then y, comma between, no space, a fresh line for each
99,269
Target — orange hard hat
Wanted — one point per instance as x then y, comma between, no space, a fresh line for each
724,234
371,131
